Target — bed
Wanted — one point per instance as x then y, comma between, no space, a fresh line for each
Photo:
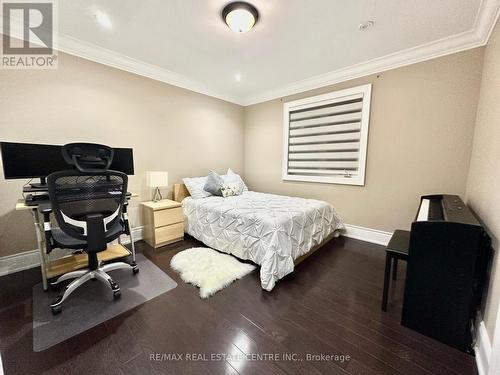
273,231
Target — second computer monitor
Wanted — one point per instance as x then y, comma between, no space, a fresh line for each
28,160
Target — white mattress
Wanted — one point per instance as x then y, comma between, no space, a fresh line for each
270,230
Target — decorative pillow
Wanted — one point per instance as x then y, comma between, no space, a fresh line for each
214,183
230,189
233,177
195,187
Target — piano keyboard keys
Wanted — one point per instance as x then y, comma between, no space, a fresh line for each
423,213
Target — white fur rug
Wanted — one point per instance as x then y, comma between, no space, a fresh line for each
208,269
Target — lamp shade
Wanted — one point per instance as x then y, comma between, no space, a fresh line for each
156,179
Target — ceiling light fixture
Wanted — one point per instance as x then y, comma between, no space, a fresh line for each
103,19
237,77
240,16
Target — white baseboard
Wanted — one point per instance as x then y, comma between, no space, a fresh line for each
137,233
366,234
19,262
482,349
30,259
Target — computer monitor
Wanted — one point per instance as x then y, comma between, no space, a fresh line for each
123,160
27,160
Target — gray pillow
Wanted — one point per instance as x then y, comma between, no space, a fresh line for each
213,184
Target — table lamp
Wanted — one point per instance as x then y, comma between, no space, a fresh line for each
157,180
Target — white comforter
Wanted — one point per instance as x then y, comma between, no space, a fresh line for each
270,230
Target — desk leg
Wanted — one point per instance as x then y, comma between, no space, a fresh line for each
132,245
41,248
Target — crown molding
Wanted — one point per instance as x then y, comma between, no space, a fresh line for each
476,37
88,51
76,47
486,19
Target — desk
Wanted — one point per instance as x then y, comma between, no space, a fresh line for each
60,266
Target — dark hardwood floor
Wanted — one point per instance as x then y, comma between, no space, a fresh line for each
330,306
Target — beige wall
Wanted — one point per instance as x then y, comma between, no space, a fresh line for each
421,128
169,128
420,142
483,187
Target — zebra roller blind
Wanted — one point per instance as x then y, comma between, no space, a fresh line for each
326,136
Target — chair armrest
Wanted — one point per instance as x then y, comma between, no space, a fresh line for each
46,210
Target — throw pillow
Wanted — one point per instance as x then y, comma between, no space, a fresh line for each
214,183
230,189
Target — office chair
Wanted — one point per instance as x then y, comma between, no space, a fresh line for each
90,207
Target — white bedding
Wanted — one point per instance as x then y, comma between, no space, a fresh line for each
270,230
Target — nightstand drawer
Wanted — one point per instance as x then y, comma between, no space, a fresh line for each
168,217
169,233
163,222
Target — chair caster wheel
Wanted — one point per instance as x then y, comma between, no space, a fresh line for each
135,270
117,294
56,309
56,306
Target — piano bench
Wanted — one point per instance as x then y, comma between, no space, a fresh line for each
396,249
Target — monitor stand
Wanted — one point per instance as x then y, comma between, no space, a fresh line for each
39,185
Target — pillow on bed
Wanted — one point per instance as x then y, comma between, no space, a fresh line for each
233,177
195,187
214,183
229,189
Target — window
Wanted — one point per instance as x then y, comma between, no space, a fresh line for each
326,136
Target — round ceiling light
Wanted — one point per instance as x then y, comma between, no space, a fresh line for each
240,16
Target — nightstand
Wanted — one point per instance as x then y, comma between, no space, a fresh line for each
164,222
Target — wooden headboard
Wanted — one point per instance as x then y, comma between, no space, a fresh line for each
180,192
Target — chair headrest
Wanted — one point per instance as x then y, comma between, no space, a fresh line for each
88,157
